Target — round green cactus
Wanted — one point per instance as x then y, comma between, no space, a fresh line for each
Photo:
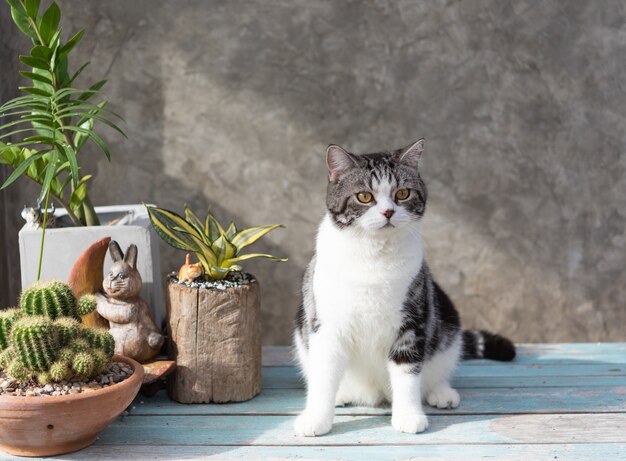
99,338
6,357
7,319
68,328
87,304
66,355
52,299
35,340
44,378
101,360
18,371
84,364
60,371
80,345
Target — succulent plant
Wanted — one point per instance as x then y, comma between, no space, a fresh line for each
45,340
7,319
217,249
50,298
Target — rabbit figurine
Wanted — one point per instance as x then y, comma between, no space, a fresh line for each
135,333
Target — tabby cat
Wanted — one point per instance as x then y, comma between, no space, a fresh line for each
374,326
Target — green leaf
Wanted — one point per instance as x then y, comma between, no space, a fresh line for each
194,221
33,90
78,196
37,77
212,227
231,231
78,72
20,169
41,52
71,43
254,255
164,222
50,22
80,138
50,170
249,236
94,137
20,18
93,89
32,8
37,63
223,249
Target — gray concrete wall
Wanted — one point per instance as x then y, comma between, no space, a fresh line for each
231,104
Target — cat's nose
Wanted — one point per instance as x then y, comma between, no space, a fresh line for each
388,213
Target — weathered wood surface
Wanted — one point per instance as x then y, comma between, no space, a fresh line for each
557,401
215,338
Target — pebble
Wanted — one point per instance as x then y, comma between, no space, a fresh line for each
116,373
233,279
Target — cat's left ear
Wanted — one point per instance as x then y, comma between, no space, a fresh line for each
131,256
413,153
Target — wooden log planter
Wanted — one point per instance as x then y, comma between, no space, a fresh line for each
215,338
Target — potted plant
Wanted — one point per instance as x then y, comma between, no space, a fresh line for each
213,309
54,372
53,121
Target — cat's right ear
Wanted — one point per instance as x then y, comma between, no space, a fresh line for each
115,251
338,161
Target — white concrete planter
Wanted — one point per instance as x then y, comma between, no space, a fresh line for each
64,245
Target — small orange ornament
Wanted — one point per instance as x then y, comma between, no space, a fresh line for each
189,272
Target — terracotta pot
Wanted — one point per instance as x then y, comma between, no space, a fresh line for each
45,426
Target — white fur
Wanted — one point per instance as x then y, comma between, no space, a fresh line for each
361,277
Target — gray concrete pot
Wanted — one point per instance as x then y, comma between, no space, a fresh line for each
64,245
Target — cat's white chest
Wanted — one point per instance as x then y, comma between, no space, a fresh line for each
360,284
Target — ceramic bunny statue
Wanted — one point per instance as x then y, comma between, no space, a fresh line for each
136,335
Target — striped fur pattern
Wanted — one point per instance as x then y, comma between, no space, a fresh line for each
374,326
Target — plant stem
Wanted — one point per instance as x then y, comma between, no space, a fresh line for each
43,233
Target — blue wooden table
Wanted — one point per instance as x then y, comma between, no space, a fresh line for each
555,401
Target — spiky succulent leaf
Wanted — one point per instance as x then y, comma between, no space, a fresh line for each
250,235
83,364
6,357
99,338
18,371
60,371
68,328
51,298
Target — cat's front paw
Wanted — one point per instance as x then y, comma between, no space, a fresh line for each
311,425
443,397
411,423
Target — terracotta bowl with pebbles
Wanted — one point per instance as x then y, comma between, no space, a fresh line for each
65,417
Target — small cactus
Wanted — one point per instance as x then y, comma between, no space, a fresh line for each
44,339
36,342
60,371
87,304
67,329
101,339
83,364
6,357
52,299
18,371
7,319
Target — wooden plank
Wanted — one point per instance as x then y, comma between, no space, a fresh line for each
447,452
289,378
473,401
527,354
367,430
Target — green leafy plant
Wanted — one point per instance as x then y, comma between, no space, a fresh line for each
43,338
53,119
217,249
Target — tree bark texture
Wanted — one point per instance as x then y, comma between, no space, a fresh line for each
215,339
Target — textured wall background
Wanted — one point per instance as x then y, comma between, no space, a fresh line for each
232,103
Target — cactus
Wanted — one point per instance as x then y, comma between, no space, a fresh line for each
18,371
52,299
84,364
87,304
43,338
60,371
6,357
36,342
7,319
100,338
67,329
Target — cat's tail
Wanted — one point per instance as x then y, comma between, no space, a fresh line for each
480,344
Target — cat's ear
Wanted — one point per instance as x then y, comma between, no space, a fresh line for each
338,161
115,251
131,256
412,154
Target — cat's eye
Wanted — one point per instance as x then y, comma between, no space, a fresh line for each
364,197
402,194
